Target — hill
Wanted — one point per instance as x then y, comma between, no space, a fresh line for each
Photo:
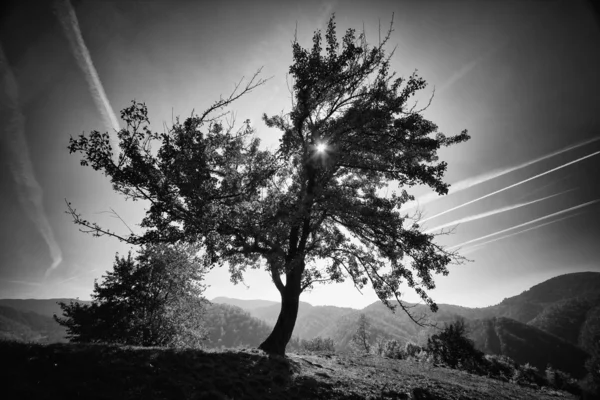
311,320
565,307
230,326
527,344
29,327
244,304
270,313
529,304
566,318
45,307
96,372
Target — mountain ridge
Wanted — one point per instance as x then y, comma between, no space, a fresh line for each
559,315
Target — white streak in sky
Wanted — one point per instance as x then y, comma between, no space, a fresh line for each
23,283
493,212
470,182
473,248
526,223
512,186
70,25
16,151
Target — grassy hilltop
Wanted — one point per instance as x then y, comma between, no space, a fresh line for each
69,371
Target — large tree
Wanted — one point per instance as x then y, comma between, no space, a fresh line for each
324,207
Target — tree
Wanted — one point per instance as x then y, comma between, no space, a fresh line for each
322,208
360,339
154,300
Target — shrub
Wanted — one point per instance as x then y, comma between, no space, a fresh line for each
561,380
528,375
393,349
452,348
500,367
412,349
318,344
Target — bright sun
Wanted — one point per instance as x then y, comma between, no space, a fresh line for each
321,148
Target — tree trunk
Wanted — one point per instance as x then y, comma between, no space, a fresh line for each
282,332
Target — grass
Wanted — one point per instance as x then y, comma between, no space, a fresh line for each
78,371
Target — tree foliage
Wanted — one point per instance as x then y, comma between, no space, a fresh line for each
324,207
152,300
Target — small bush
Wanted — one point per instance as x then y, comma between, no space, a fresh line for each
500,367
393,349
452,348
379,346
424,356
528,375
561,381
318,344
412,349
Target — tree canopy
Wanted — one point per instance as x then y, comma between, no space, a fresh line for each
152,300
324,207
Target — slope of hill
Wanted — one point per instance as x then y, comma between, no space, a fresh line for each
566,318
244,304
270,313
312,323
27,327
230,326
529,304
45,307
111,372
527,344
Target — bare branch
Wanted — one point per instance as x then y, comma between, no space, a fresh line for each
94,228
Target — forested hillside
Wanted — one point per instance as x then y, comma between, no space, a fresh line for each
230,326
527,344
553,322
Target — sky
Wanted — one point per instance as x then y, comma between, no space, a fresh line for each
522,77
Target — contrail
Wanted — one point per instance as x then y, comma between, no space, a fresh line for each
70,25
525,224
77,276
479,245
12,138
23,282
512,186
493,212
468,67
470,182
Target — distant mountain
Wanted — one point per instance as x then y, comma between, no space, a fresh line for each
31,321
553,322
244,304
270,313
230,326
529,304
311,319
566,318
527,344
45,307
28,326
